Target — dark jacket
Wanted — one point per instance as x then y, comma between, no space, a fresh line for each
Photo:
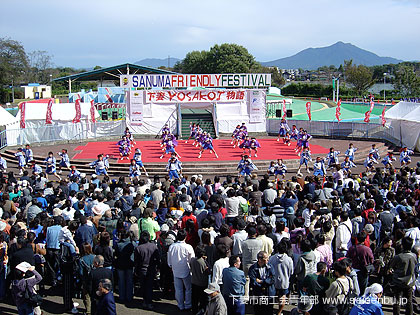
146,258
124,254
84,234
403,265
21,255
106,305
266,288
361,256
106,252
19,287
96,276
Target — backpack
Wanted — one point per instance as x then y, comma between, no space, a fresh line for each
309,267
67,260
85,269
345,307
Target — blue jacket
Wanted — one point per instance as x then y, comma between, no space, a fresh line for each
266,288
84,234
52,237
233,282
106,305
367,305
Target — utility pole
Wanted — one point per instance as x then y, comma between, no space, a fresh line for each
169,61
13,92
338,88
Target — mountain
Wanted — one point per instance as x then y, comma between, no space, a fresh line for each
313,58
156,63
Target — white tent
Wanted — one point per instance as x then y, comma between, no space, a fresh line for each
404,118
62,127
7,122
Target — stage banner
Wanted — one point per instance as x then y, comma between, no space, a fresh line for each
367,114
22,114
92,111
383,116
308,110
338,111
255,80
200,96
136,108
78,111
284,109
257,106
48,118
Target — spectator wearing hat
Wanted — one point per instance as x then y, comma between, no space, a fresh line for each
179,259
216,304
188,215
26,279
303,307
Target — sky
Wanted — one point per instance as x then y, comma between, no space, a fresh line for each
84,34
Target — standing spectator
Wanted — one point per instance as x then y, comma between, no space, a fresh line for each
233,286
26,278
146,260
306,263
104,249
224,237
124,264
316,284
53,248
283,270
147,223
220,264
199,280
216,304
85,232
106,304
179,259
98,273
343,236
270,194
232,206
267,243
250,249
86,266
402,267
261,277
239,237
361,256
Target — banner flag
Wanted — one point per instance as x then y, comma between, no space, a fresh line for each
78,111
383,117
22,114
308,110
284,109
92,112
338,111
48,118
367,114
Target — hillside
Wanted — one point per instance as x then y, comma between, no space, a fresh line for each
156,63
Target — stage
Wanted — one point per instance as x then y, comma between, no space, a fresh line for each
151,151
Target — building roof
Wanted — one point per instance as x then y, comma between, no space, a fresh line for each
112,73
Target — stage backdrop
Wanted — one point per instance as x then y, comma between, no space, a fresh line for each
149,110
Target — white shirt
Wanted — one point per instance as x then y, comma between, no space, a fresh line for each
232,206
218,267
68,214
238,239
414,234
306,214
100,208
179,258
343,235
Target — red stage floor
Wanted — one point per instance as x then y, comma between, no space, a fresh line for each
151,151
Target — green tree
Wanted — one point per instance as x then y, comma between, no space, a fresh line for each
407,82
360,76
13,61
194,62
97,68
276,78
40,66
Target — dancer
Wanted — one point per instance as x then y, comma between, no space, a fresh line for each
134,169
246,145
235,136
388,159
375,152
287,139
303,141
294,133
169,148
369,161
347,164
272,169
305,158
124,147
101,165
3,165
193,130
65,160
29,154
21,160
207,145
332,157
253,146
351,151
129,136
245,166
174,167
405,156
281,169
36,169
284,128
139,162
50,166
74,172
319,167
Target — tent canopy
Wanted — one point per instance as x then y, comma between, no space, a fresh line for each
6,118
60,112
405,111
